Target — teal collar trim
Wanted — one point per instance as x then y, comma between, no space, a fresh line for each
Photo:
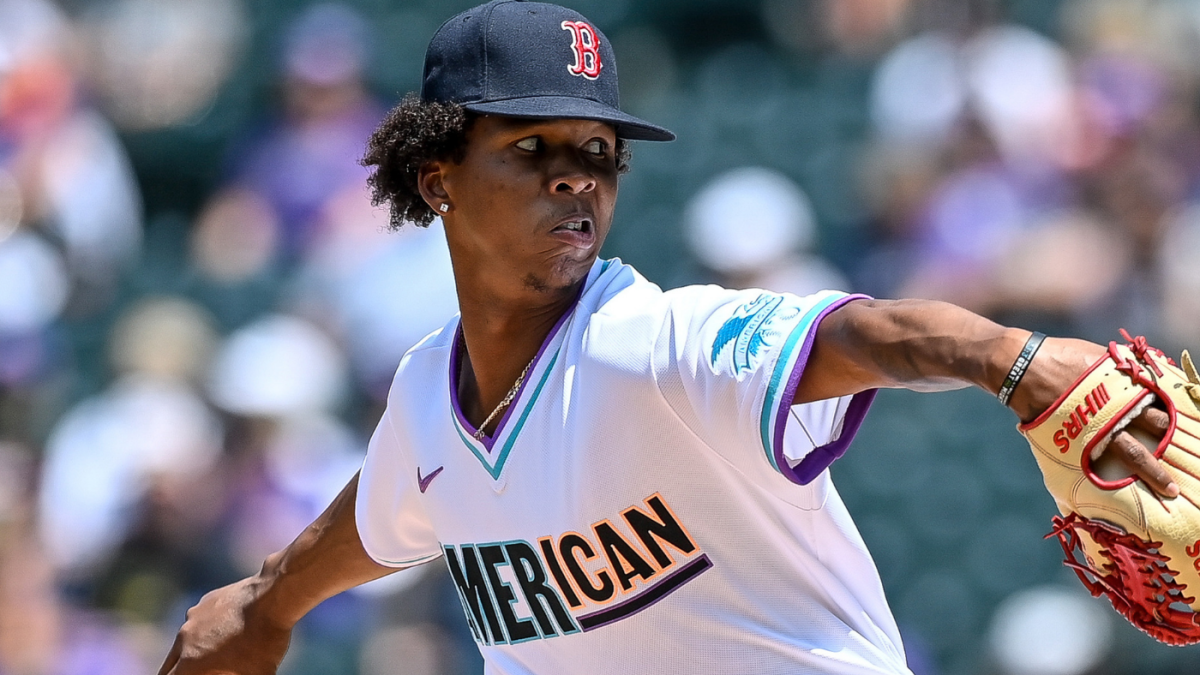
475,446
506,433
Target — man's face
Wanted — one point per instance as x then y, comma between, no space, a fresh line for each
532,202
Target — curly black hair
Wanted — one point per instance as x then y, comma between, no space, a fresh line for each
416,132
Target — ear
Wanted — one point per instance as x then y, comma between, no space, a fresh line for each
431,184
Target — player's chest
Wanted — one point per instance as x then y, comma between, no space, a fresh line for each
567,467
553,473
566,443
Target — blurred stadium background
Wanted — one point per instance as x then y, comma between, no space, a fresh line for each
200,311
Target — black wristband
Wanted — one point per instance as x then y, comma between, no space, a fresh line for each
1019,367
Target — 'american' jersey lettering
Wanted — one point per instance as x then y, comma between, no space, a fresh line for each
575,581
651,501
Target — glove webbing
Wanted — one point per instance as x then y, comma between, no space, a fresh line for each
1135,578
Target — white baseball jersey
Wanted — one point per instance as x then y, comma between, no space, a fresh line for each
651,502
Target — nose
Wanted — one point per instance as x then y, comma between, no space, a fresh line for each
575,184
571,175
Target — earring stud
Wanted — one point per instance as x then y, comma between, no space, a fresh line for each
444,207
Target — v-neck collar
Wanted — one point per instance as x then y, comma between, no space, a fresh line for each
484,449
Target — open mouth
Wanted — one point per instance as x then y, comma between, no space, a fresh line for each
583,225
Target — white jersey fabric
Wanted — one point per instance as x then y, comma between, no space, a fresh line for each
651,502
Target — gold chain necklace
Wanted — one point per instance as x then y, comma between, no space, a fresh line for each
508,399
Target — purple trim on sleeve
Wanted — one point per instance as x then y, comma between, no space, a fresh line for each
820,458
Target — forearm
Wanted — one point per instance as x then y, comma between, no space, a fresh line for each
921,345
326,559
926,345
245,627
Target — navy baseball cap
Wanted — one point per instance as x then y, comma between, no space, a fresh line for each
529,59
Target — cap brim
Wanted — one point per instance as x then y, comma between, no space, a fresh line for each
570,107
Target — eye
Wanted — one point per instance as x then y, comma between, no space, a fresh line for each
596,147
531,144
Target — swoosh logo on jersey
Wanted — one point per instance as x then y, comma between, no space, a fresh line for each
423,483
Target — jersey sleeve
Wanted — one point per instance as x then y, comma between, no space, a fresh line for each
736,358
392,524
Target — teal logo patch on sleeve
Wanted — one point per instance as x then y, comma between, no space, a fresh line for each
750,329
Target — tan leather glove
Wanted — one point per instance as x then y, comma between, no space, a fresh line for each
1123,540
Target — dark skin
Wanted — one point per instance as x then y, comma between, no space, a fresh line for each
517,268
935,346
528,209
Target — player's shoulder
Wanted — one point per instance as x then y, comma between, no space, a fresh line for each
429,355
620,293
628,315
638,302
620,299
615,289
699,305
623,303
707,321
440,338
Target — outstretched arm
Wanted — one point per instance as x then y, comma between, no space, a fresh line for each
244,628
926,345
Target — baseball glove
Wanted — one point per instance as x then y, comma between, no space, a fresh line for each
1121,538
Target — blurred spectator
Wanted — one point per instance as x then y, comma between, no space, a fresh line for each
1020,87
34,278
918,93
74,183
862,27
381,292
160,63
1053,269
130,494
858,28
301,161
100,644
298,203
280,379
1039,173
148,428
755,228
163,337
287,482
1049,630
896,179
237,268
1179,270
31,615
30,612
1014,81
235,238
278,367
70,211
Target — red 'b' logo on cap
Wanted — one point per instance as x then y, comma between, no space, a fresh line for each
586,46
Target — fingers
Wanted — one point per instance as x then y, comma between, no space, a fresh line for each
1153,421
172,657
1143,463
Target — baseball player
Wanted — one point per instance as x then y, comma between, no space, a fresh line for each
619,479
